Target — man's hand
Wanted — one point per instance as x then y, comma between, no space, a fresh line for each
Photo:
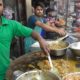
44,45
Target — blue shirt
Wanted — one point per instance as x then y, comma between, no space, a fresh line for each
31,23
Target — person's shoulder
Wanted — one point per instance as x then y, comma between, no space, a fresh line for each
14,22
32,17
11,20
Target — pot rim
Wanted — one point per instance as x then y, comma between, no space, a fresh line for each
28,73
59,49
34,71
72,44
68,45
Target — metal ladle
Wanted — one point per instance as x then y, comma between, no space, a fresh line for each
62,38
53,69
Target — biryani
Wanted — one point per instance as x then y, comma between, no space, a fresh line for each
61,65
57,46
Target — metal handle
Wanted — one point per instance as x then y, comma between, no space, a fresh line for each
50,61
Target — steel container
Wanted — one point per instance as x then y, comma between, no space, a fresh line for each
61,51
75,48
38,75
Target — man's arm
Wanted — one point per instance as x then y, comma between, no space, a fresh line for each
49,28
20,30
42,42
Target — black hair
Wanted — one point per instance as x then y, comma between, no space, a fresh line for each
39,4
3,3
49,10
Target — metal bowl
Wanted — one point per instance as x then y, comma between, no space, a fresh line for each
61,51
72,76
75,48
38,75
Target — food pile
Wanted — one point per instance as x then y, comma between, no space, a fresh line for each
62,66
57,46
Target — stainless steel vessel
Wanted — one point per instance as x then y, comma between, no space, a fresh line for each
75,48
61,51
38,75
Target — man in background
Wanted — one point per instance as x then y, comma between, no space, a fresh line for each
37,22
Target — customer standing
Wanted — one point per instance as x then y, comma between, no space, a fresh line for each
51,18
37,22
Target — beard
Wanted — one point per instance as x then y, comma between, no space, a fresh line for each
39,15
1,12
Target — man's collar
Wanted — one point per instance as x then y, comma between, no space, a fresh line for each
4,20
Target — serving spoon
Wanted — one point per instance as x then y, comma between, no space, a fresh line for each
71,35
62,38
53,69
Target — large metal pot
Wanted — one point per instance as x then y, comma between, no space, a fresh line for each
38,75
59,51
75,48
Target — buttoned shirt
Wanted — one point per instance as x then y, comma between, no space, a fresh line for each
8,30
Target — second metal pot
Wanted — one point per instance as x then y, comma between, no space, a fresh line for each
61,51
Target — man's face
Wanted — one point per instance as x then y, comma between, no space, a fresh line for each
52,14
39,11
1,7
